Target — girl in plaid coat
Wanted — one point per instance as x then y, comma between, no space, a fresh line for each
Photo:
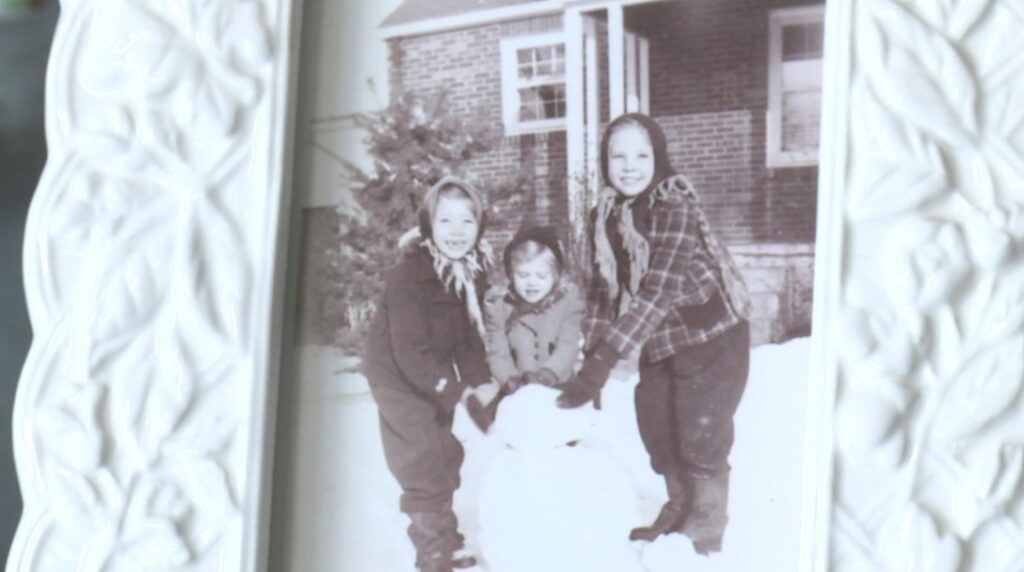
664,284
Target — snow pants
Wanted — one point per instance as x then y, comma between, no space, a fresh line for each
425,458
685,406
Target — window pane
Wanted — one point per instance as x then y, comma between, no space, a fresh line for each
801,75
542,102
540,62
554,100
793,40
529,105
802,41
558,66
817,36
801,118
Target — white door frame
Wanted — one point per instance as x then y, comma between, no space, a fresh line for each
628,90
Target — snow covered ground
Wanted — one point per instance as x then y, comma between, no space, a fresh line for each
336,503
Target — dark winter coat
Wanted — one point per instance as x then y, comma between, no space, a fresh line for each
421,340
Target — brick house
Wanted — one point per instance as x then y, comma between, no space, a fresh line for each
735,84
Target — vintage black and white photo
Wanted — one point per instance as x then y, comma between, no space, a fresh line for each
551,287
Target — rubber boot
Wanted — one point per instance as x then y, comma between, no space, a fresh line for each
433,563
708,517
462,559
672,515
437,540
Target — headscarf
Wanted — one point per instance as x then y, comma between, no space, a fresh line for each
545,236
458,275
665,180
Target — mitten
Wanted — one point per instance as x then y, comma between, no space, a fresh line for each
598,365
587,384
515,382
545,377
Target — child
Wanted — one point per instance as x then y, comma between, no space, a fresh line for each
425,346
533,327
664,283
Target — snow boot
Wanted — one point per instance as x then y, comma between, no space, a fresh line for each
672,515
462,559
445,562
438,542
433,563
708,516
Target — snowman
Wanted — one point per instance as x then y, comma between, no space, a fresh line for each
552,499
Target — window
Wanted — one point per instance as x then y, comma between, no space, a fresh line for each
794,86
533,83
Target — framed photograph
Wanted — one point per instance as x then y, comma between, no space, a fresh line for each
514,99
229,184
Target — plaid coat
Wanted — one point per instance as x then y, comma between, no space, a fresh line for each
681,300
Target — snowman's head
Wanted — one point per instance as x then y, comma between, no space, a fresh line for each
530,420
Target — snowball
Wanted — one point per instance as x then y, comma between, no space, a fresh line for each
557,509
530,420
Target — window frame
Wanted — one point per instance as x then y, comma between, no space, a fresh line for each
510,84
778,19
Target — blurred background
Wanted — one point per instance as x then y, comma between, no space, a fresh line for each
26,29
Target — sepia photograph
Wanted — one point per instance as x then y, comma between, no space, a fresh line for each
514,285
550,293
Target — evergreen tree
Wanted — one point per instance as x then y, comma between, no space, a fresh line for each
413,143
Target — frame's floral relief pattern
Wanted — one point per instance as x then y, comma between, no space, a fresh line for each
150,249
928,420
148,260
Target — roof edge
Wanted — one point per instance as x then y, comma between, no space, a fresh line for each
469,19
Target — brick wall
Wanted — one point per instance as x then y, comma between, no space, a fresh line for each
466,63
709,78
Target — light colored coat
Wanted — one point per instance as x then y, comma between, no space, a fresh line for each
523,339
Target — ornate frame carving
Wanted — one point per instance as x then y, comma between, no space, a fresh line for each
153,261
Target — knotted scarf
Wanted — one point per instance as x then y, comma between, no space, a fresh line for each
638,250
461,275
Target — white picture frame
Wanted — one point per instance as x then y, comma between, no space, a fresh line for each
133,273
153,255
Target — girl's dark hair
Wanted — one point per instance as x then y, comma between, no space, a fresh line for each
662,166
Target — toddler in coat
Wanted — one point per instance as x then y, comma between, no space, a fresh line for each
533,327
